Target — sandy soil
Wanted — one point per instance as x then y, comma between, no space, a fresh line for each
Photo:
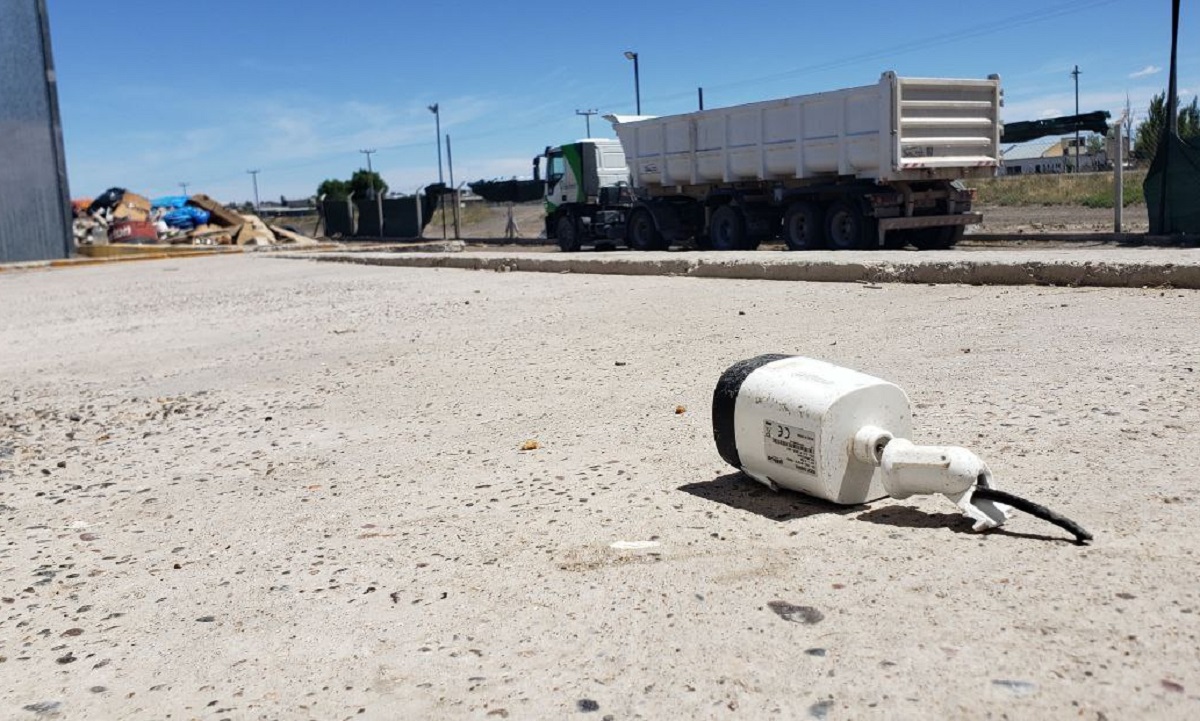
530,219
256,488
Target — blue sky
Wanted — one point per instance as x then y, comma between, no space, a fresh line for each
156,93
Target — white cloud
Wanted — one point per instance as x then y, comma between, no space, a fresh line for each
1148,70
294,139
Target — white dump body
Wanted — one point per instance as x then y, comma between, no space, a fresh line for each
900,129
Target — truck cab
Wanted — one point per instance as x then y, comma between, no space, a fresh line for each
585,179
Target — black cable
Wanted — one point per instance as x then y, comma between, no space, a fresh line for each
1034,509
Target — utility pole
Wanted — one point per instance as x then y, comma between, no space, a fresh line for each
254,174
700,94
1128,128
1075,73
370,170
587,117
185,187
374,193
436,109
454,195
1170,132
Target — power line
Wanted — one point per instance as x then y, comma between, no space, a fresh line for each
910,46
948,37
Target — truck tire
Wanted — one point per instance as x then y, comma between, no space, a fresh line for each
727,229
941,238
567,232
641,233
847,228
802,226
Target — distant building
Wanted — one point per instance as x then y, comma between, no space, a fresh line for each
1050,155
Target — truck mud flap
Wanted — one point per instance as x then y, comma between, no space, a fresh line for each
926,221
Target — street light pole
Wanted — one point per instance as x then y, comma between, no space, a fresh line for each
185,187
637,82
1075,73
437,119
254,174
587,116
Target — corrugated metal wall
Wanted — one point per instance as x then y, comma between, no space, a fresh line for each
35,217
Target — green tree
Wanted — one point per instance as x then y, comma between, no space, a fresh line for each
1189,120
1149,132
363,181
333,189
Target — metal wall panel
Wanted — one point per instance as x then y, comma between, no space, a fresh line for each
35,219
368,219
400,218
338,218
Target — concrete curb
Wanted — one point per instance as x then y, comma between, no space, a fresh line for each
929,267
84,261
156,252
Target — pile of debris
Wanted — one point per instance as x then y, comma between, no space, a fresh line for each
119,216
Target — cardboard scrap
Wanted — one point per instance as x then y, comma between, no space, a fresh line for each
254,232
209,235
132,207
286,236
221,215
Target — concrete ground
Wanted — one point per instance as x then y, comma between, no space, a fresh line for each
248,487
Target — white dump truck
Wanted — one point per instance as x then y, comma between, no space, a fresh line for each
868,167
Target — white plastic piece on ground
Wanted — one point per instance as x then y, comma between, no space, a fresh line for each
633,545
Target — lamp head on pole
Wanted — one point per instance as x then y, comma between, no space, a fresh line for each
433,108
630,55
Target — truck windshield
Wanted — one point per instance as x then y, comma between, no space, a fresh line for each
555,168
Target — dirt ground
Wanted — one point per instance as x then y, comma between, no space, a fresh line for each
1059,219
1017,221
257,488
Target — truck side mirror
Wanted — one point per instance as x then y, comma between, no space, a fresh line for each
537,169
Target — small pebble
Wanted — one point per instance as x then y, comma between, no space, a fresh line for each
796,614
1016,688
44,707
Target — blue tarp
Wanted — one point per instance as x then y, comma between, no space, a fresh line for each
186,217
169,201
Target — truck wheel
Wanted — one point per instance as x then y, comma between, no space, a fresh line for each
727,229
802,227
938,238
847,228
641,233
567,231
